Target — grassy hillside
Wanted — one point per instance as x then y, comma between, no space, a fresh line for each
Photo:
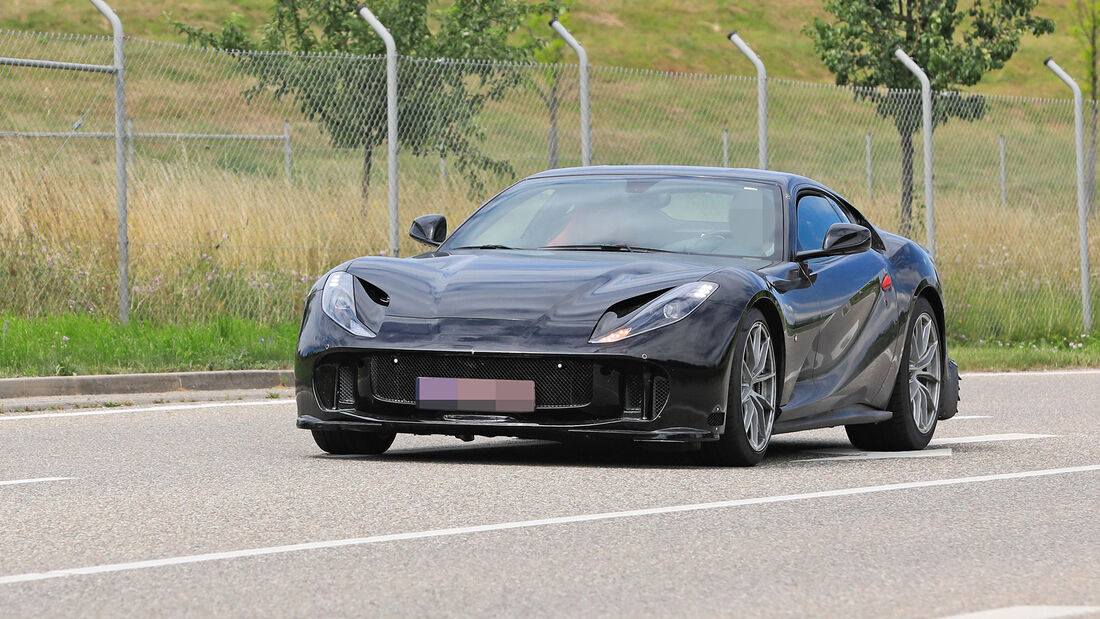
676,35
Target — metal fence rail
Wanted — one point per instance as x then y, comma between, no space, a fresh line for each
217,225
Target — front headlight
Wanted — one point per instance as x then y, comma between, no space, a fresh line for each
666,309
338,303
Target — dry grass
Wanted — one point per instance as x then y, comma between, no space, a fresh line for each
207,241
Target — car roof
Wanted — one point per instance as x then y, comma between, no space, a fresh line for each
783,179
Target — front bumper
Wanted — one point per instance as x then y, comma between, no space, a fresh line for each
517,430
599,397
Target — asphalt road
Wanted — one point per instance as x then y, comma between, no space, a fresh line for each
227,509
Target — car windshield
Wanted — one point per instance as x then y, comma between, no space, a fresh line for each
691,215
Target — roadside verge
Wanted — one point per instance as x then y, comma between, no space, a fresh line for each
52,386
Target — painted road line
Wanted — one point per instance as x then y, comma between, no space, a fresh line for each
13,482
971,417
525,524
936,448
988,438
1029,612
855,454
147,409
1032,374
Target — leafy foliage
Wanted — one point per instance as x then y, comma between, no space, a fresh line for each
955,46
1087,29
439,101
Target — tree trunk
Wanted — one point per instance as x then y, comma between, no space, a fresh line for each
368,162
552,138
905,216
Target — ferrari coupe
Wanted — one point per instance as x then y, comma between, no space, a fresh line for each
707,307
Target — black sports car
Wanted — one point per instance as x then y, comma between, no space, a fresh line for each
706,306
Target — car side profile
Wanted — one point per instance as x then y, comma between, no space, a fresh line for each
710,307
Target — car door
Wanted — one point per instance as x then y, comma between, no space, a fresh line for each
855,302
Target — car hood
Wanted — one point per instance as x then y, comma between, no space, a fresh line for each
559,286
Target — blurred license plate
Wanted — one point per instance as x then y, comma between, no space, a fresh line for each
475,395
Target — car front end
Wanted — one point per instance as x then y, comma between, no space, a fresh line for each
362,367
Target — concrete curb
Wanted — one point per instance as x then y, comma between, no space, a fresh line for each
143,383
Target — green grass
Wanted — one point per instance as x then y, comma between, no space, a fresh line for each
673,35
71,345
1044,354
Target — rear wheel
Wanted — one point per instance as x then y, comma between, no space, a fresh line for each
751,403
916,399
340,442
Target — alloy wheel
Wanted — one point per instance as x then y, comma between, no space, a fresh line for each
758,386
925,372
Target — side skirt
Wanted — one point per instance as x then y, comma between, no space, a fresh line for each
839,417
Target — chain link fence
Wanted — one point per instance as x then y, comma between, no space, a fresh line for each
251,174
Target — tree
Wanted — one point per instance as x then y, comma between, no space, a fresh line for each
1087,29
445,76
956,47
548,83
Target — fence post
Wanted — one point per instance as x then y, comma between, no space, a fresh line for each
725,148
926,122
582,59
870,178
1082,208
287,152
391,118
761,98
130,142
120,161
1004,177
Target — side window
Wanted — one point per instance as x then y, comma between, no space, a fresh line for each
815,215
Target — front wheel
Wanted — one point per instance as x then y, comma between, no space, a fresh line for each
751,403
916,400
340,442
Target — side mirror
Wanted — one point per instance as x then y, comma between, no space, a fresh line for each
429,229
839,240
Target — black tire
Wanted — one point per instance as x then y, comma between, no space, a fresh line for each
343,443
901,432
734,447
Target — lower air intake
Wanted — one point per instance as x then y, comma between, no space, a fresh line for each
345,387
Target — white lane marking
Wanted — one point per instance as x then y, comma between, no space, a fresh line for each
147,409
988,438
936,448
13,482
1029,612
971,417
855,454
1033,373
524,524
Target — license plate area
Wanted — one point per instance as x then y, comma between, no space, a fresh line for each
475,395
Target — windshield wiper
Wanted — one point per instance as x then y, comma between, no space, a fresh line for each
488,246
606,247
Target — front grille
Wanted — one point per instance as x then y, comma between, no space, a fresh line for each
559,383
